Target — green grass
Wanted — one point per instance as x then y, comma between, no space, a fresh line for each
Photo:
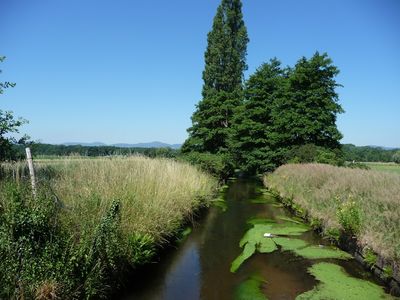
111,213
363,203
385,167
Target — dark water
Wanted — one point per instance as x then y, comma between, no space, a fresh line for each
199,267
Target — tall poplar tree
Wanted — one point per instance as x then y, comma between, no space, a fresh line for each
225,62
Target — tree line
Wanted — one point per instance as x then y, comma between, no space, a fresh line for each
40,149
279,114
370,154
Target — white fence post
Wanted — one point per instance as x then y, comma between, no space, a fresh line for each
31,170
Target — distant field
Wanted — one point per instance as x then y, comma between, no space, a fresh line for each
386,167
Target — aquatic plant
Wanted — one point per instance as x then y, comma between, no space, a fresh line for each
320,252
250,289
335,283
266,236
254,239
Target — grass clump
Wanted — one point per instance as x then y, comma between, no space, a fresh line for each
362,203
92,220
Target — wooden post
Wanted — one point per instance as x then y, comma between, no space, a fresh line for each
31,170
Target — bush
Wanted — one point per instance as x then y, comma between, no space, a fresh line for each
349,216
396,157
357,165
219,165
311,153
38,257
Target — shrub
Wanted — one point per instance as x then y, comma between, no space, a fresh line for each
349,216
311,153
396,157
219,165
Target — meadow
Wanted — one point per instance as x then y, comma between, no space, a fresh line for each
385,167
361,203
91,220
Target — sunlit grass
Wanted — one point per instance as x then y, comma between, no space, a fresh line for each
327,192
156,194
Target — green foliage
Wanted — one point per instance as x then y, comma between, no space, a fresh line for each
8,124
225,61
349,216
39,149
311,153
141,247
32,247
387,272
370,258
367,153
38,254
357,165
288,115
253,141
219,165
396,157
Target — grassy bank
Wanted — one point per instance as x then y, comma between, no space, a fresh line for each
92,219
363,203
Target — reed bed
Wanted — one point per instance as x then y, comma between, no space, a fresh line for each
365,203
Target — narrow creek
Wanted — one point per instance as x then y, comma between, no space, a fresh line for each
199,268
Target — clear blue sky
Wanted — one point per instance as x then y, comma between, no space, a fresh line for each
130,71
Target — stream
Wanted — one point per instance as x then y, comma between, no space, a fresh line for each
200,266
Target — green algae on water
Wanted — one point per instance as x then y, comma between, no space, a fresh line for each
321,252
255,220
220,203
263,237
293,220
289,244
337,284
248,251
250,289
263,200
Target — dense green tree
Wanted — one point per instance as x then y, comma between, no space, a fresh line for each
225,62
253,141
307,112
8,124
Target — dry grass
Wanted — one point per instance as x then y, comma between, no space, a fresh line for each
156,194
323,190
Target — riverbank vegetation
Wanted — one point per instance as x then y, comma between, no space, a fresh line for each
360,203
92,219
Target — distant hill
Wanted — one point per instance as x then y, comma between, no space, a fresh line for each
383,147
154,144
94,144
